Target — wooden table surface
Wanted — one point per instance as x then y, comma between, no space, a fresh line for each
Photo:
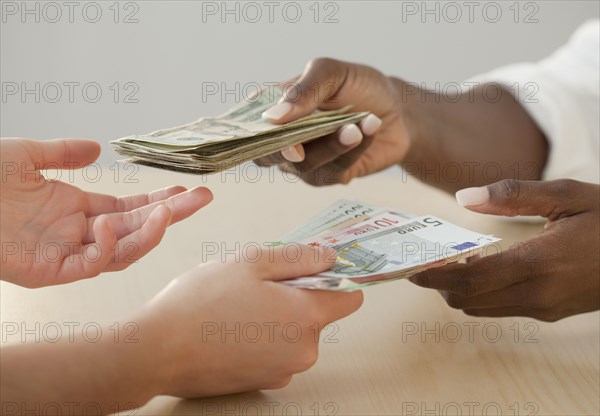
404,352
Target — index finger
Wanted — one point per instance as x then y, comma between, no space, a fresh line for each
319,82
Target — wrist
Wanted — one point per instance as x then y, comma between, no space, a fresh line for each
106,374
133,368
148,355
421,114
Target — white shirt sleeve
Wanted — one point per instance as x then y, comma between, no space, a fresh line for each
562,95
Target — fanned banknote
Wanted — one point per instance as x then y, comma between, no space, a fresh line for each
376,245
213,144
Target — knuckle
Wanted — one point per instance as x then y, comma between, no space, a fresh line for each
279,383
27,284
422,279
262,163
344,169
321,62
120,204
564,186
30,147
564,191
538,265
307,359
312,357
509,188
289,167
333,173
128,219
548,316
454,301
466,285
308,164
543,299
92,274
471,312
357,298
312,178
529,262
344,178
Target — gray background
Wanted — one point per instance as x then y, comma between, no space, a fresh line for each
176,48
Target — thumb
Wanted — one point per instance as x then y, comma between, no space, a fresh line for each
321,80
549,199
62,153
290,261
297,260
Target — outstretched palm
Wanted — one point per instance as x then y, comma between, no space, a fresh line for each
53,232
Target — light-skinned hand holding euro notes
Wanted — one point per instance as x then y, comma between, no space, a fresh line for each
373,244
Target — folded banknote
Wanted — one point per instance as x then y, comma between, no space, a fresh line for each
376,244
213,144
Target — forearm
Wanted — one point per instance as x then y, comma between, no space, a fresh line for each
76,376
471,140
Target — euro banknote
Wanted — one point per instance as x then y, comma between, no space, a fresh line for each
376,244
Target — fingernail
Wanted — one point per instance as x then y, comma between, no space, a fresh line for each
370,124
350,135
278,111
472,196
292,155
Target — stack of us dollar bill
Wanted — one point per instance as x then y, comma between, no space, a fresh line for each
376,245
213,144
